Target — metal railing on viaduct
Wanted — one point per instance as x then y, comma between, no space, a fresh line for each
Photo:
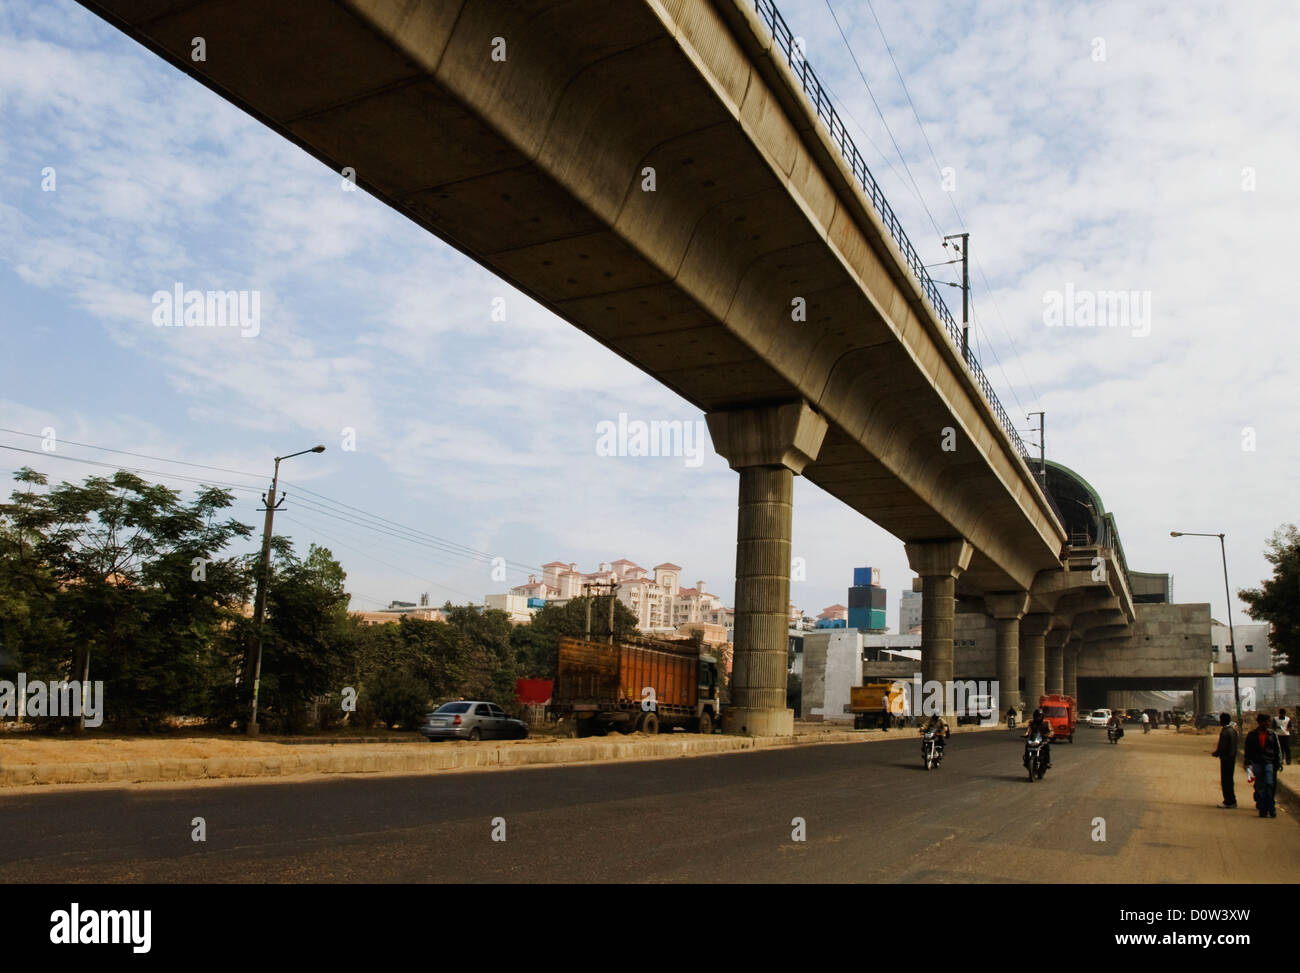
784,39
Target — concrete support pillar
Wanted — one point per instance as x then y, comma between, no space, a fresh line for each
1206,704
1007,608
767,446
1054,659
1033,664
939,563
1070,668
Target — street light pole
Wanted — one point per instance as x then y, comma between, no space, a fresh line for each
264,578
1232,638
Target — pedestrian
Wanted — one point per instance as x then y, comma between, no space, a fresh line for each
1178,720
1226,751
884,720
1146,722
1264,758
1283,724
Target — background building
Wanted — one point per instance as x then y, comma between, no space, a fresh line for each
909,613
655,597
867,601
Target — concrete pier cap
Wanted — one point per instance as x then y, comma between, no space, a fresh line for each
767,445
789,435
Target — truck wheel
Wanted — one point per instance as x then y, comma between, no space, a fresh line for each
650,723
706,723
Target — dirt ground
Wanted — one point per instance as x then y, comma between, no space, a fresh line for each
22,748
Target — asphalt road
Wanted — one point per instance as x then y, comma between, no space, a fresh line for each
871,813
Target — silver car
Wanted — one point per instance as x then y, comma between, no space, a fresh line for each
471,720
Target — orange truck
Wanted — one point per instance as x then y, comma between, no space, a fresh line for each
636,685
1060,711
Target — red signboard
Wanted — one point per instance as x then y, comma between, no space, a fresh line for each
533,690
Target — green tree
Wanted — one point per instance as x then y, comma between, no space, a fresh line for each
537,643
397,696
1277,599
103,582
308,639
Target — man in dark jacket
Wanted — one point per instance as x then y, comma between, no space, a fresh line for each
1226,751
1264,757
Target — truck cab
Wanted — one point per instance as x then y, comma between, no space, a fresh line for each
1061,712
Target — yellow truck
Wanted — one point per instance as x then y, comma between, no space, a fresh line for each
867,703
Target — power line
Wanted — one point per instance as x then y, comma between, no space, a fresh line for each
130,469
394,567
956,212
334,515
109,449
871,95
996,359
448,545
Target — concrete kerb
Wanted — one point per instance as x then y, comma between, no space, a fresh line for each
434,759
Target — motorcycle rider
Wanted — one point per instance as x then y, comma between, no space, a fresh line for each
941,731
1039,725
1114,724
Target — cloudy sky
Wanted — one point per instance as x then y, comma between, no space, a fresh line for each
1142,147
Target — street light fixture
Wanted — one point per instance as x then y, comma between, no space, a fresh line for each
259,606
1232,638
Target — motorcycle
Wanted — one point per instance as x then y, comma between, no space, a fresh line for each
1034,758
931,753
1011,721
1113,733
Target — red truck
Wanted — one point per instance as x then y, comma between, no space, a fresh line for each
1060,711
636,685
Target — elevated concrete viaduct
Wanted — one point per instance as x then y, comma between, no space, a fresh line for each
666,175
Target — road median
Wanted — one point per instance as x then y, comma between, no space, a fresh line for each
391,758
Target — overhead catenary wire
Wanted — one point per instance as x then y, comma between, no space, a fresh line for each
883,120
956,212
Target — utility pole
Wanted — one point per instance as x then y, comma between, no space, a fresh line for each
1232,636
264,579
965,292
587,590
